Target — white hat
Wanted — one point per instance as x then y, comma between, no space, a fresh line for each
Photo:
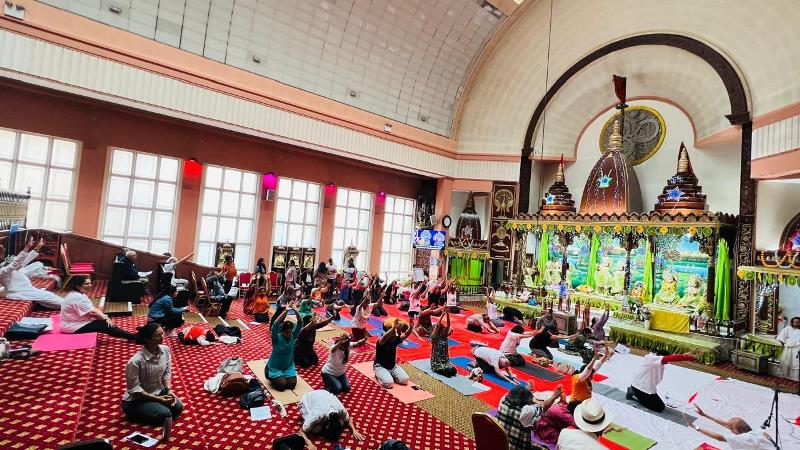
590,416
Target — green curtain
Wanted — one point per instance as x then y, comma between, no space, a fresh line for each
649,278
722,283
475,270
593,262
544,256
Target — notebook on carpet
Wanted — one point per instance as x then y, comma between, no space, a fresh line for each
460,383
630,440
410,393
286,397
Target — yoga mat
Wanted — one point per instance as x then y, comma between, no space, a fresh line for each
540,372
630,440
286,397
328,327
59,341
673,415
345,323
406,345
405,394
462,384
464,362
375,322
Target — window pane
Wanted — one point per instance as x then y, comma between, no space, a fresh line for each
297,212
205,254
208,228
386,243
410,207
249,184
280,234
143,192
118,190
299,190
34,207
159,246
247,205
33,148
341,216
213,177
139,223
363,240
122,162
284,188
29,177
397,224
168,170
55,215
352,218
242,257
227,229
312,213
115,221
233,180
245,232
295,235
366,201
166,196
389,204
230,203
313,193
63,153
341,197
350,237
8,141
162,224
5,174
137,244
407,228
338,238
114,240
363,219
60,184
146,165
353,199
282,212
338,257
310,236
210,201
397,241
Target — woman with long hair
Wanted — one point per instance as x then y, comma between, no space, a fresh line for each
79,315
304,353
440,347
260,273
148,397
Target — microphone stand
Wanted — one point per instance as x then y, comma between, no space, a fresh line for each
773,410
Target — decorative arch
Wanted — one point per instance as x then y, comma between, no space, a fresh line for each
730,78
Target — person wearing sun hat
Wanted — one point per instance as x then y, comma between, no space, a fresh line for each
592,420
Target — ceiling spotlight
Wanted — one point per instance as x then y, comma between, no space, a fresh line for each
256,59
387,128
353,93
114,8
423,118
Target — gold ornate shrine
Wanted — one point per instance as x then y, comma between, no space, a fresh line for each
643,135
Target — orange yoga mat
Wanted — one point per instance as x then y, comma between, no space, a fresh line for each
406,394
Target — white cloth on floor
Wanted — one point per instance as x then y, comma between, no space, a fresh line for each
19,287
230,340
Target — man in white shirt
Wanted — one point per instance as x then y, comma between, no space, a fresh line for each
324,415
491,360
742,437
18,285
592,421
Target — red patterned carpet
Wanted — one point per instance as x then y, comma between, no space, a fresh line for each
58,397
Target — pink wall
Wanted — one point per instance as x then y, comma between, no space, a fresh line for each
100,126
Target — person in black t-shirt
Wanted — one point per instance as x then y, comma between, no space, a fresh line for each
387,371
542,339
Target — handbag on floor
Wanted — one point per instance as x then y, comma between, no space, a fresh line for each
252,399
233,384
230,365
18,331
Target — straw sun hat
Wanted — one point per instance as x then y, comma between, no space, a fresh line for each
590,416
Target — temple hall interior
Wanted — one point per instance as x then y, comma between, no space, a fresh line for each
400,224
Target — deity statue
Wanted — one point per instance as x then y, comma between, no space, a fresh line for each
553,275
638,291
527,280
618,281
279,262
669,288
602,276
694,297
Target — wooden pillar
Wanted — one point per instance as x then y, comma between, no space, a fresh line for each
745,236
91,175
189,207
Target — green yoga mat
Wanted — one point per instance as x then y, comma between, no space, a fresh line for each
630,440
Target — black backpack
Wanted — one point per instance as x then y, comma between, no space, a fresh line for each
221,329
18,331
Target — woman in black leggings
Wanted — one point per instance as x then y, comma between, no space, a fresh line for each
79,315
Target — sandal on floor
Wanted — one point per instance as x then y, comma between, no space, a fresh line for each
23,353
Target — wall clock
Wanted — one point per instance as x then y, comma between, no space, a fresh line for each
446,221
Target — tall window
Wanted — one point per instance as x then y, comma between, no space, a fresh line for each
228,214
352,225
297,214
141,200
398,229
46,166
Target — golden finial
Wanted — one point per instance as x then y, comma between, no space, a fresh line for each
560,173
683,160
615,138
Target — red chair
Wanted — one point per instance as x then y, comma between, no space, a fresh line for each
83,268
489,434
244,282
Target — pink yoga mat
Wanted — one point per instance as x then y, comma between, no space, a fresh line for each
56,340
405,394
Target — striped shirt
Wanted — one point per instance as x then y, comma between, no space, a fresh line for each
146,372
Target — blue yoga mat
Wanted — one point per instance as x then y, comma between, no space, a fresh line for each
377,323
407,344
460,383
463,362
347,323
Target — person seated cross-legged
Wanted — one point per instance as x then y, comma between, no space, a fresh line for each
387,371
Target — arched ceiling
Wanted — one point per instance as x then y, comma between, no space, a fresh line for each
652,71
405,60
510,79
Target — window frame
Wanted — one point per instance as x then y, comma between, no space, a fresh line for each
320,201
218,215
47,166
153,209
369,229
409,235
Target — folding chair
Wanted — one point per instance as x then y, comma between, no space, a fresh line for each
70,269
489,434
244,282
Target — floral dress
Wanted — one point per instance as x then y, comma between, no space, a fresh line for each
440,355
